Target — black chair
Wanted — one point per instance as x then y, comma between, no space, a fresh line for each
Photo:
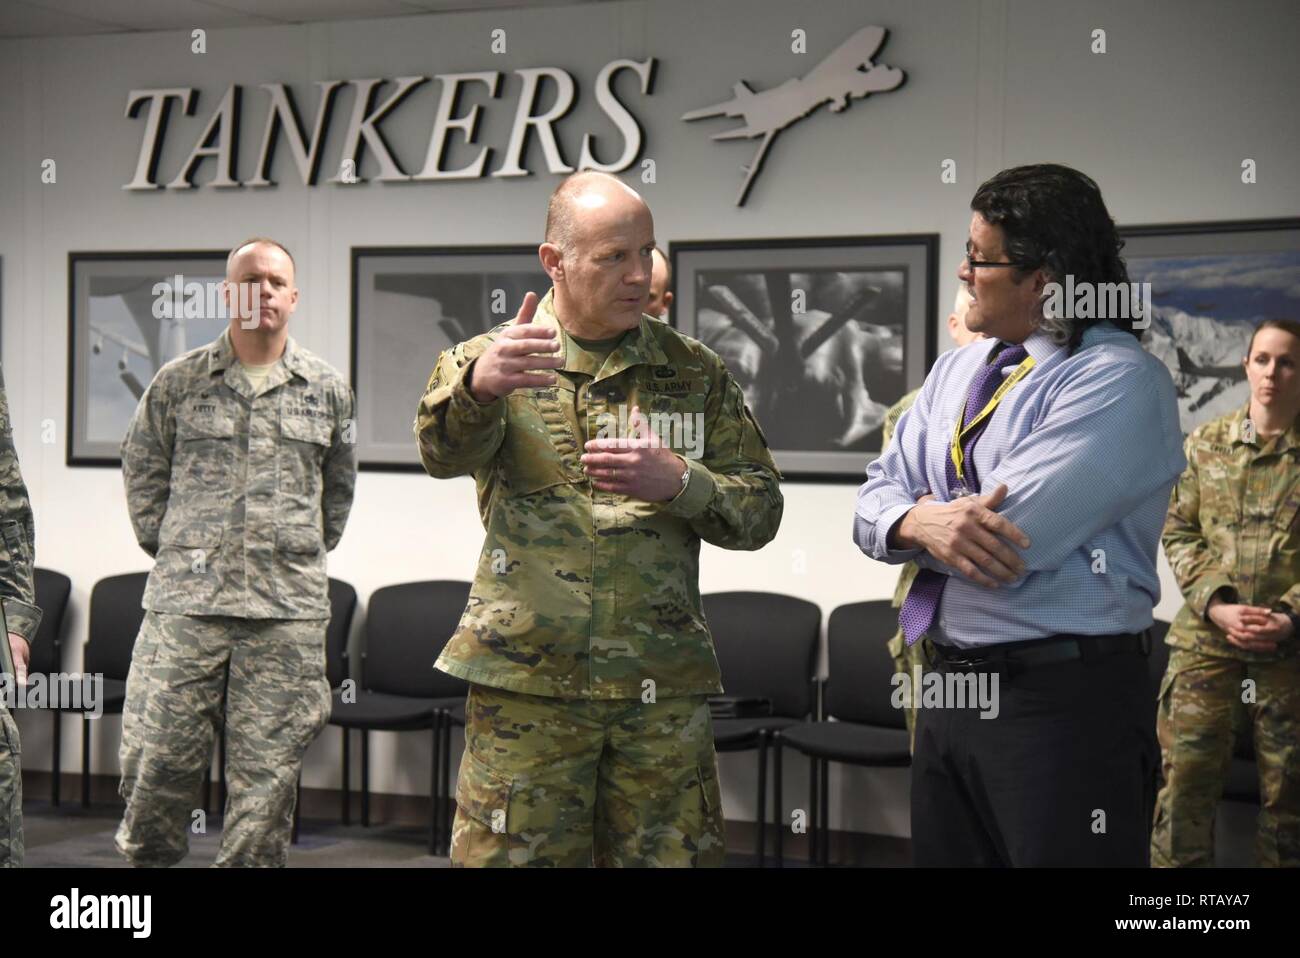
867,730
115,619
766,645
52,592
343,606
406,627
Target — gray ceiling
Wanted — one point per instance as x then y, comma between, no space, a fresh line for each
58,18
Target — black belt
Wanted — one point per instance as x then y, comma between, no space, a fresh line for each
1053,649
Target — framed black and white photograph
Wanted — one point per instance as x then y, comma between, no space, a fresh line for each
128,315
1211,284
408,305
823,335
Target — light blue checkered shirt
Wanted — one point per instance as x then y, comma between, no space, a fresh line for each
1089,447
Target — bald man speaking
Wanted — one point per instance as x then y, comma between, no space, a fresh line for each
604,446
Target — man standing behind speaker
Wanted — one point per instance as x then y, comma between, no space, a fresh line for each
240,465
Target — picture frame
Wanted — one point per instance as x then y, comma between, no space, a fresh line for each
819,374
1211,284
409,303
117,308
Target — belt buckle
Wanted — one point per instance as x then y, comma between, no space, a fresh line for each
965,660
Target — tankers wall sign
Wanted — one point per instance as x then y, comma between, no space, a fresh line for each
846,73
219,139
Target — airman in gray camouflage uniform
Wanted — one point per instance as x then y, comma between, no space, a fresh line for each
239,478
588,734
1233,540
17,539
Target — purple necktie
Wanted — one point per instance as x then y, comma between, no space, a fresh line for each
922,602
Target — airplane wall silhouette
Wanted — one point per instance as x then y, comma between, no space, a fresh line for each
836,80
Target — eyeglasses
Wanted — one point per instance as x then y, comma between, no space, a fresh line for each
978,263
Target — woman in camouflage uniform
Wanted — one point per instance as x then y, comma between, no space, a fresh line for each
1233,539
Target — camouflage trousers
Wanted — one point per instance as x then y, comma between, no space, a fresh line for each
553,782
270,676
1199,699
906,659
11,792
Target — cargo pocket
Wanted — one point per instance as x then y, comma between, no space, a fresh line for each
481,836
11,793
189,560
204,454
306,690
300,566
302,456
540,449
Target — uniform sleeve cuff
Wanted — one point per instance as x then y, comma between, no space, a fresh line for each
1200,598
1291,599
22,618
463,404
697,495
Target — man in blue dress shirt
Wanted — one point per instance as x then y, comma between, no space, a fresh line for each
1038,548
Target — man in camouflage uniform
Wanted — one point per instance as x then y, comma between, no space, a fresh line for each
908,657
17,546
661,281
1233,540
239,466
588,733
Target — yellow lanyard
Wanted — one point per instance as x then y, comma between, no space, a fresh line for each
959,434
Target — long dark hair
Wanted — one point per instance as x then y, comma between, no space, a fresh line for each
1053,218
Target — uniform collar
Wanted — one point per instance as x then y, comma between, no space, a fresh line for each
222,359
221,356
641,347
1288,439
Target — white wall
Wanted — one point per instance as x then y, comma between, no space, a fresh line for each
1161,121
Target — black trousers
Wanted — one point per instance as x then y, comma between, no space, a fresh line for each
1062,776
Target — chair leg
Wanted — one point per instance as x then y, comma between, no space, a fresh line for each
85,761
824,816
365,778
762,798
57,758
778,814
449,803
812,811
434,811
347,795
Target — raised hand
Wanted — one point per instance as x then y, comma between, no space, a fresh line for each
508,363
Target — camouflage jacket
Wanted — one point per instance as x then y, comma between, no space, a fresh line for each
17,536
583,594
1233,522
238,495
910,569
